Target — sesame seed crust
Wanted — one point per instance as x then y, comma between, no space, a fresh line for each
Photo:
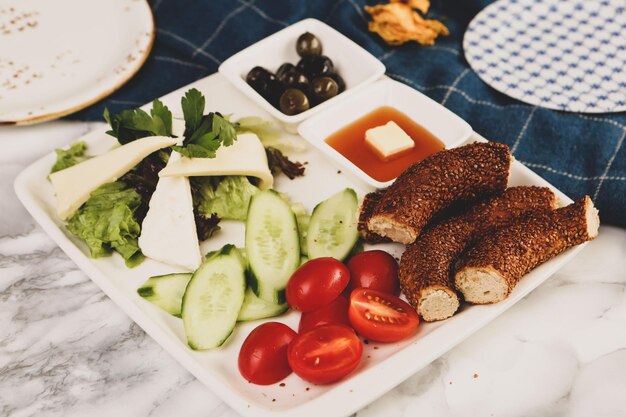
511,252
469,172
427,264
365,212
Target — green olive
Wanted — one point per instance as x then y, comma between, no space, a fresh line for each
308,44
293,101
323,88
340,82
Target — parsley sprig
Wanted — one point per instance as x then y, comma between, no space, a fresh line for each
133,124
203,135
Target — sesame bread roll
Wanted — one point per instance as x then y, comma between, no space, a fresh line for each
426,266
365,212
423,190
490,270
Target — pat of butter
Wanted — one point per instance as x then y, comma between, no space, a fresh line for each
388,140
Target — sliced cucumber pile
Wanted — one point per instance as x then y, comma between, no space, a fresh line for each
254,308
213,299
272,245
166,291
333,226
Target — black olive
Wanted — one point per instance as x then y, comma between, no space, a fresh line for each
296,79
340,82
258,77
283,69
273,90
308,44
315,65
266,84
323,88
293,101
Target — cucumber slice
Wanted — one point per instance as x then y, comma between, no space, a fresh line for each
254,308
272,245
303,260
166,291
302,218
213,299
333,226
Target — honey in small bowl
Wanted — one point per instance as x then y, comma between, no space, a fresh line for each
349,141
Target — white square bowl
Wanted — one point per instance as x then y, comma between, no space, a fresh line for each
441,122
355,65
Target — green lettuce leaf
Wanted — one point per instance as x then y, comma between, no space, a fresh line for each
227,198
69,157
265,130
270,134
106,222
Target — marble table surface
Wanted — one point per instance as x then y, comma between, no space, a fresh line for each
67,350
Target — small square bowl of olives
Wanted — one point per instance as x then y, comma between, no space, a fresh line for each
301,70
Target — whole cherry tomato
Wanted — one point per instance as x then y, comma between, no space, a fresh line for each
316,283
374,269
263,355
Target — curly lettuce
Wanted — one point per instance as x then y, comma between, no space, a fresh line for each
69,157
225,197
107,223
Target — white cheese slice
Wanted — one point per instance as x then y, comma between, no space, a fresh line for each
168,232
246,156
74,185
388,140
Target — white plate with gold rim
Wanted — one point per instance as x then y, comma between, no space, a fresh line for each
383,365
58,57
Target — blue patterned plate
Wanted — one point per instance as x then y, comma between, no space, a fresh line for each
563,55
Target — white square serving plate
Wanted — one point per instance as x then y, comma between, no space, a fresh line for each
383,366
438,120
355,65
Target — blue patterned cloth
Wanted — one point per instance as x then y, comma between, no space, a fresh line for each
579,154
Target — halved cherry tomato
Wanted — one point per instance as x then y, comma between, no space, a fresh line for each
325,354
335,312
374,269
316,283
263,355
381,317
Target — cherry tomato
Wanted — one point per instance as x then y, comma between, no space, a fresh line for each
374,269
263,355
381,317
316,283
335,312
325,354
